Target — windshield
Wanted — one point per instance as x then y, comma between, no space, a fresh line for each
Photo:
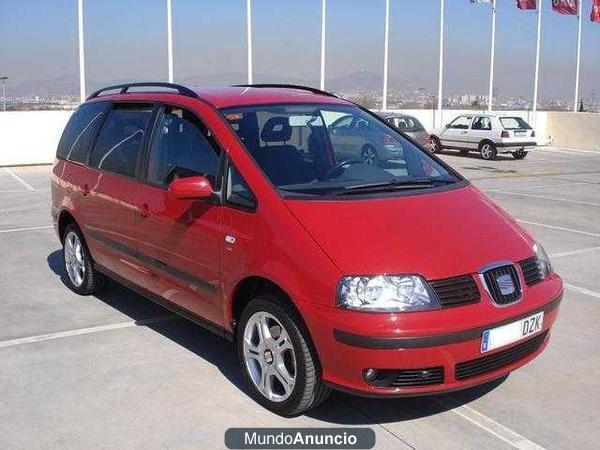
332,150
514,123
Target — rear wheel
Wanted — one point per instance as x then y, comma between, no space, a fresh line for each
488,150
436,145
81,278
519,154
277,359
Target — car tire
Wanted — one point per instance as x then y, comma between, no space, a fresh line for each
369,155
488,150
82,277
436,145
297,364
520,154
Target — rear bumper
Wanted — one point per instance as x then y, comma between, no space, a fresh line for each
505,147
348,347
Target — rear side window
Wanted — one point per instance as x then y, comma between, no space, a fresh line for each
514,123
120,139
182,147
482,123
79,132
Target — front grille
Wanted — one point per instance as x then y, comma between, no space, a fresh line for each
495,361
531,271
503,284
419,377
456,291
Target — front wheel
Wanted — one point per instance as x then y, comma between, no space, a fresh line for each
519,154
488,150
369,155
278,362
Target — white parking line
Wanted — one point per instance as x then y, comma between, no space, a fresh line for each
582,290
17,230
554,227
546,197
82,331
574,252
573,150
490,425
19,179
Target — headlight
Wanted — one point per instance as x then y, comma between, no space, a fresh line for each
386,293
542,260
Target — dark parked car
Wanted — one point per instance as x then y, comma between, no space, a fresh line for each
409,125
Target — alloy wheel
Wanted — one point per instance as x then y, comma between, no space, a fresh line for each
369,155
74,258
269,356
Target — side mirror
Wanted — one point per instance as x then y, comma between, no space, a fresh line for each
191,188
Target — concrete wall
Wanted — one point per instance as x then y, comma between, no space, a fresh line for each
30,137
575,130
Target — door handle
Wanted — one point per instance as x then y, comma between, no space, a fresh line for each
463,132
145,210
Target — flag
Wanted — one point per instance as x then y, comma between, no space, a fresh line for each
595,17
526,4
565,6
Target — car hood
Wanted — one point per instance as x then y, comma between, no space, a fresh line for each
434,234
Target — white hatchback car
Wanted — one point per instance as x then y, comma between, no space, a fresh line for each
488,134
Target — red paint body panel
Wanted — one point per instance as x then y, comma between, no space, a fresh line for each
304,247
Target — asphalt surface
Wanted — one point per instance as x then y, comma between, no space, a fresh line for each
116,371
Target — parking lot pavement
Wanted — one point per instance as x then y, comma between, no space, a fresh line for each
116,370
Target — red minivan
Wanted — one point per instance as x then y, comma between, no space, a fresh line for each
330,260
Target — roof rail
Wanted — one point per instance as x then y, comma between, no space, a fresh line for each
287,86
123,88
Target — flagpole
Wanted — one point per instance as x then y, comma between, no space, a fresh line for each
323,23
385,55
492,54
441,68
537,57
249,37
578,57
81,51
170,40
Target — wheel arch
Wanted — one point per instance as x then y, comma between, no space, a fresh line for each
485,141
65,217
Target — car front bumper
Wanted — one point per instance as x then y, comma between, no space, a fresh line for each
349,343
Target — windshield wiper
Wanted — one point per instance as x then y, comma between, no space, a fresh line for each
392,185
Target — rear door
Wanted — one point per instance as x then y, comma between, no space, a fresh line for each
179,241
456,134
111,193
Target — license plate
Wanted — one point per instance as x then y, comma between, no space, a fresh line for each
511,332
520,133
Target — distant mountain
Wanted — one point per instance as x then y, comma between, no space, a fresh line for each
360,81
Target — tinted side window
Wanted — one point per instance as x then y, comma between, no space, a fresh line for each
120,139
79,132
238,193
182,147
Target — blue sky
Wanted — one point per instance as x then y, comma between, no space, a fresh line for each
126,39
